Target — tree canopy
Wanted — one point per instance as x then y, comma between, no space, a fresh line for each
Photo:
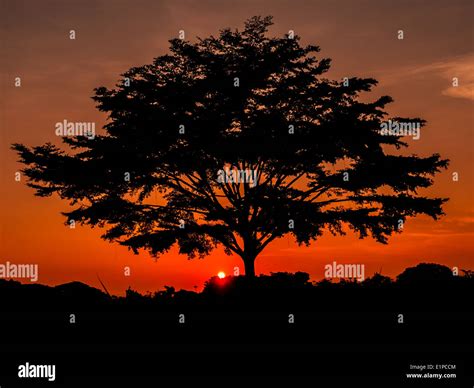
240,101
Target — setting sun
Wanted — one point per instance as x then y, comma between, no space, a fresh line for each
221,275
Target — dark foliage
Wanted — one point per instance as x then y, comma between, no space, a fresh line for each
300,175
416,289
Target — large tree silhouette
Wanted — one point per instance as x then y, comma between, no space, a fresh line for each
248,102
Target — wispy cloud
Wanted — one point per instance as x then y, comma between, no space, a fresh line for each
461,68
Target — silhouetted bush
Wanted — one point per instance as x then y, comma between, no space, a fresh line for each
277,291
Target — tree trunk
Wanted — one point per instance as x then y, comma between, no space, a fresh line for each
249,263
249,255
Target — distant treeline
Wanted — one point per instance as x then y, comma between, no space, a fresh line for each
426,287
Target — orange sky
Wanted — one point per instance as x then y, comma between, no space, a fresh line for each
58,75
